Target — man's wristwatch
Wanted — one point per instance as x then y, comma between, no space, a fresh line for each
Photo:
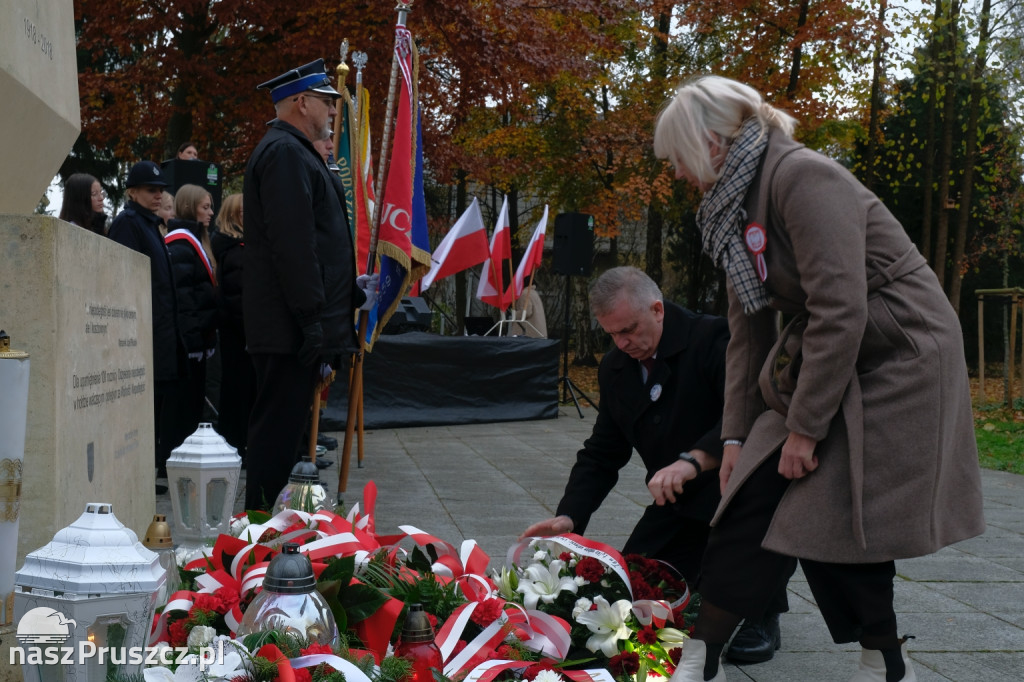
687,457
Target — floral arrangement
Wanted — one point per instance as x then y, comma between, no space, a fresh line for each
566,609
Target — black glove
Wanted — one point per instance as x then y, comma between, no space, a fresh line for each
312,342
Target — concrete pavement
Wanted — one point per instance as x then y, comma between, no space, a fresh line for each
487,482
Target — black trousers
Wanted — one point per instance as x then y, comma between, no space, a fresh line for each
739,576
284,394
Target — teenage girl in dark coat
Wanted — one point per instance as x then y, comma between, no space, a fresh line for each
188,244
238,378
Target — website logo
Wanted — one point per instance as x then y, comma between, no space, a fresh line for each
42,626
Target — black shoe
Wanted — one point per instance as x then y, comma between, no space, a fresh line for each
756,641
322,463
327,441
160,489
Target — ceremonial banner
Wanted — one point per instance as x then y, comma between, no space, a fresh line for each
363,184
402,248
343,157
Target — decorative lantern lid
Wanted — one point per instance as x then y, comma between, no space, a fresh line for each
417,626
204,449
8,353
95,555
304,471
290,572
158,535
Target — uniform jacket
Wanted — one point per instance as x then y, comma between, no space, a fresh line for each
139,230
690,369
299,262
882,384
196,292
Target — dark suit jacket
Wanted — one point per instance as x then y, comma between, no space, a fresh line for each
690,368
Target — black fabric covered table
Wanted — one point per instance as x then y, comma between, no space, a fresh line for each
420,379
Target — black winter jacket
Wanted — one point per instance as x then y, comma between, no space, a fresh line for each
197,299
299,262
229,252
139,230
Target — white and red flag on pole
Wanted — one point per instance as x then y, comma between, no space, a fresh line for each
533,255
493,289
464,246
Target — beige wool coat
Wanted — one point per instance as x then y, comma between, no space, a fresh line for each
881,380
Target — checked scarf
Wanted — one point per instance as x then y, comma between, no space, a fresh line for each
720,216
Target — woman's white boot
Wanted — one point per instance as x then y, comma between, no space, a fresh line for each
691,664
872,666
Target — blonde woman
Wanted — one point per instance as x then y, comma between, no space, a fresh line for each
848,438
188,243
238,378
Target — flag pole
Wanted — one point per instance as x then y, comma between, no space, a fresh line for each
355,387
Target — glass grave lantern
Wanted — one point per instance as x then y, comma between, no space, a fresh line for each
91,590
289,602
158,539
303,490
202,474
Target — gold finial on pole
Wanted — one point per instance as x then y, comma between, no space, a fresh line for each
342,69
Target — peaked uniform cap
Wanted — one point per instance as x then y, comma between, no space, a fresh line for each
309,77
145,173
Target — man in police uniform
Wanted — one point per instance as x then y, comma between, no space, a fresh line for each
299,282
662,391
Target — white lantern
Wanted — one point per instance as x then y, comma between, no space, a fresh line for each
202,474
86,598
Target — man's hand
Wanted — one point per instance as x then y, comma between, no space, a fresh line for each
553,526
730,455
798,458
669,481
312,343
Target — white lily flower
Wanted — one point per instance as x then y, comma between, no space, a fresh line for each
541,556
503,579
672,636
608,623
543,583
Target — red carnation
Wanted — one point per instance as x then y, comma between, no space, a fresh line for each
487,611
207,602
535,669
590,569
674,654
647,635
507,652
177,633
626,663
315,648
303,675
228,598
565,556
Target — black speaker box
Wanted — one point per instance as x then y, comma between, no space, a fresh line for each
206,174
574,244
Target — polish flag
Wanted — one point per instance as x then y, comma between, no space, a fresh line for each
533,256
492,289
464,246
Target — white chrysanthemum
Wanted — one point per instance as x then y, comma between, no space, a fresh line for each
582,605
547,676
200,636
581,581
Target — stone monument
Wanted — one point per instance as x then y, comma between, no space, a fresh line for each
78,303
40,119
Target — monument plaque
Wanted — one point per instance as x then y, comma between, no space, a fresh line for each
80,305
40,118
